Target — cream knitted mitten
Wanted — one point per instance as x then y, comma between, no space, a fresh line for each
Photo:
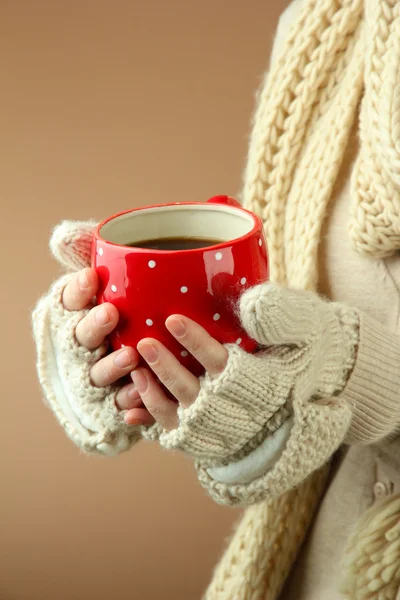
87,413
295,383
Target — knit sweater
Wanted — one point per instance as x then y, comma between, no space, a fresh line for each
295,184
306,110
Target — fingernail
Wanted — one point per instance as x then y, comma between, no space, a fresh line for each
129,421
140,381
83,280
122,359
149,353
177,327
102,316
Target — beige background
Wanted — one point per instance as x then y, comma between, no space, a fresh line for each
106,105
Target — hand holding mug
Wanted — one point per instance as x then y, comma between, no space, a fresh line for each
192,258
91,333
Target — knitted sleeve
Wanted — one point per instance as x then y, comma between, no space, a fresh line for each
373,389
371,394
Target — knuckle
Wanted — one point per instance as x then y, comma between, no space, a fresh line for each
219,365
181,390
197,348
155,410
167,377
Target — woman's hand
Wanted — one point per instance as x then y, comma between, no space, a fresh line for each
144,400
91,333
182,384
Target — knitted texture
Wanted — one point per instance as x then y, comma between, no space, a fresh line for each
238,409
375,223
371,563
71,244
87,413
311,351
266,543
336,53
374,382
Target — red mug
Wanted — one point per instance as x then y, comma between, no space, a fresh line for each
148,285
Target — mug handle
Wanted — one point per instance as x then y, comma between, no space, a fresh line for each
227,200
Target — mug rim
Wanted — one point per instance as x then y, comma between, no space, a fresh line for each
257,226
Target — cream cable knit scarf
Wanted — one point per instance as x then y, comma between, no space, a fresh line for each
340,56
338,53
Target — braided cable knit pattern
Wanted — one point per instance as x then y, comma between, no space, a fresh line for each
375,223
338,56
290,96
265,544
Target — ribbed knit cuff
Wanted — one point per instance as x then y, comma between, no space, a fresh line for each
243,403
373,389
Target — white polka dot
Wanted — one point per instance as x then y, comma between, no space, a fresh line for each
113,288
216,317
149,322
184,289
218,255
260,242
100,252
152,264
184,353
243,280
239,341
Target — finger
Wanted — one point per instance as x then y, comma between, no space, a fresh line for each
80,290
177,379
128,397
114,366
163,409
139,416
98,323
274,315
210,353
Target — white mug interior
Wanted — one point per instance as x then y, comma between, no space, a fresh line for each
207,221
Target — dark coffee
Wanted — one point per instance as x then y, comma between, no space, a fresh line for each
176,243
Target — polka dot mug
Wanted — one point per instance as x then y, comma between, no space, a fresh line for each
204,283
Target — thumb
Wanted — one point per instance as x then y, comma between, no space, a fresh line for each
274,315
71,243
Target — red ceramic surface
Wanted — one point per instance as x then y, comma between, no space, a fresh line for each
204,284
